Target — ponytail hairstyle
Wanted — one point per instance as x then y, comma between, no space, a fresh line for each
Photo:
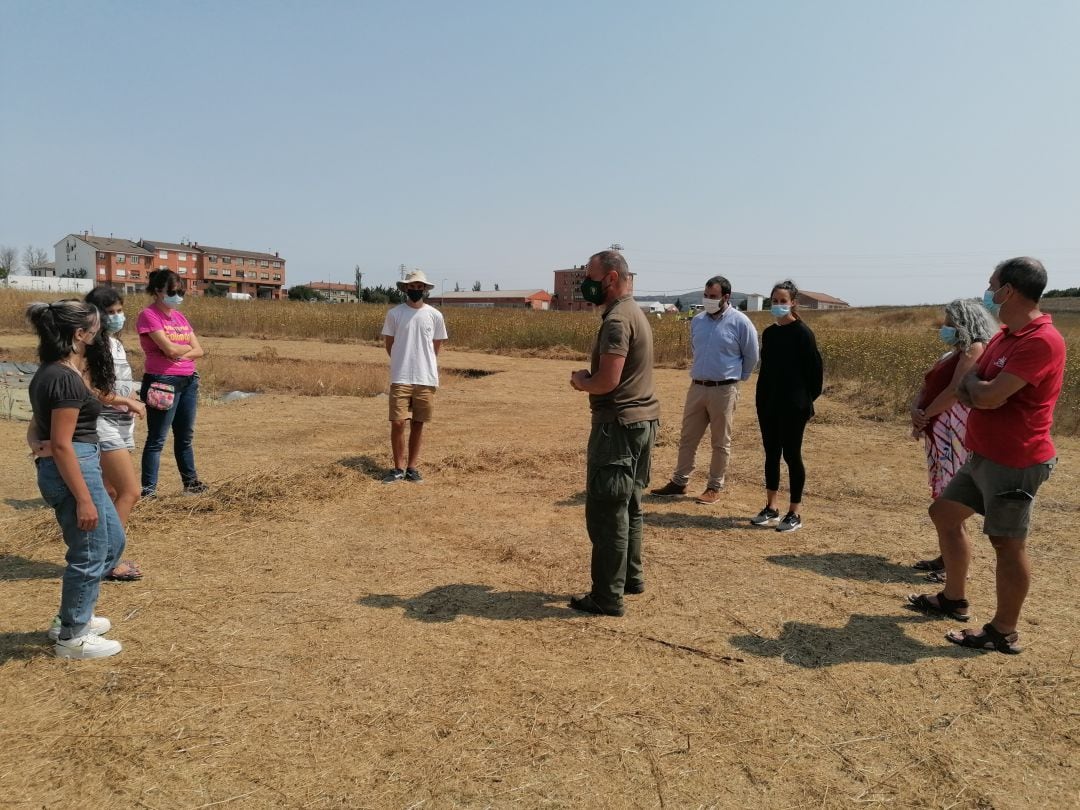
789,285
56,325
165,281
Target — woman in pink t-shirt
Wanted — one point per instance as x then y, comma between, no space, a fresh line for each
170,384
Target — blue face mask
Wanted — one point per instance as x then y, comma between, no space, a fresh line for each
114,322
173,301
988,302
780,311
947,334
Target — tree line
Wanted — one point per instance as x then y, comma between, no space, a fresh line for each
31,257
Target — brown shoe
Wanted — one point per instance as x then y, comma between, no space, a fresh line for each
709,497
669,490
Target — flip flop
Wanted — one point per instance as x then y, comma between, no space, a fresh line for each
132,574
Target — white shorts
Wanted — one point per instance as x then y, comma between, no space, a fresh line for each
116,433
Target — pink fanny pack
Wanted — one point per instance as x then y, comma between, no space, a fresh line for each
160,396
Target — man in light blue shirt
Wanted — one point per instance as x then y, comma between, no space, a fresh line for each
725,346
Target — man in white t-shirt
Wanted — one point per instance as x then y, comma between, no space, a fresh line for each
413,333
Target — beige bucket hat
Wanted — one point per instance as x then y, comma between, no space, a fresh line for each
413,277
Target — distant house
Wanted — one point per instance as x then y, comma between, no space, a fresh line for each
509,299
334,291
816,300
44,270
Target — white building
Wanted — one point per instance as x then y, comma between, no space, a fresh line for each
76,286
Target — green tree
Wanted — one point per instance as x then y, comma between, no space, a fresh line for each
304,293
8,257
678,304
476,286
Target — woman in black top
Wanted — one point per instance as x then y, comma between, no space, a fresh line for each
66,411
789,381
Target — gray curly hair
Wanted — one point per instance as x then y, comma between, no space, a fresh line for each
973,323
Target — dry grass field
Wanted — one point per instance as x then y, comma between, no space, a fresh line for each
308,637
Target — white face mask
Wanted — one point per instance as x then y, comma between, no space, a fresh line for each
712,305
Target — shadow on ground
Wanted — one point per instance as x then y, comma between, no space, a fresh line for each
863,640
681,520
22,646
14,567
577,499
366,465
25,503
447,602
860,567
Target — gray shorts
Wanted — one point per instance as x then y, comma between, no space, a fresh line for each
116,433
1004,496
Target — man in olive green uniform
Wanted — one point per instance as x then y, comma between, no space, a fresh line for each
625,416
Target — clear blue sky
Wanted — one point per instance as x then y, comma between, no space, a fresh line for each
881,152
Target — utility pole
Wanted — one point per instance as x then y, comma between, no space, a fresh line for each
401,270
359,276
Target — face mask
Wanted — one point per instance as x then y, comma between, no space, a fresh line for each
415,295
592,291
712,305
780,311
988,302
173,301
114,322
947,334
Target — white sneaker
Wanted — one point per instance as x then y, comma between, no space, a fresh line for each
86,646
98,626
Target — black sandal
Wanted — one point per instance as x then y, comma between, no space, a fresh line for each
989,639
952,608
936,564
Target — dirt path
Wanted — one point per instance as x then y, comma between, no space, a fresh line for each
309,637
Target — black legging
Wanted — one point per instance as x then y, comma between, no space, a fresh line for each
782,436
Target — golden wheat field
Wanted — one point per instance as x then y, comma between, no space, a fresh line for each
306,636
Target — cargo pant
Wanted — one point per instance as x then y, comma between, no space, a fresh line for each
619,460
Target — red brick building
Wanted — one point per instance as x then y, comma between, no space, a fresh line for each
261,275
567,296
103,260
127,265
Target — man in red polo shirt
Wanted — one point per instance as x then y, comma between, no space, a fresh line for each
1011,393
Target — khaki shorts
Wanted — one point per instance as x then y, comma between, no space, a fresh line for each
417,399
1003,495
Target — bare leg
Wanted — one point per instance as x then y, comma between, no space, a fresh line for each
397,443
416,438
1013,580
949,517
771,497
120,481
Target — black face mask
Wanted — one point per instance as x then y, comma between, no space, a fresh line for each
415,295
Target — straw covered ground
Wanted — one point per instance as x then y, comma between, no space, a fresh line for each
308,637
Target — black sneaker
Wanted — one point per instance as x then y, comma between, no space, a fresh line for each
413,474
196,487
395,475
766,517
635,588
790,523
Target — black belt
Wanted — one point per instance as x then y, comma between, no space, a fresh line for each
711,383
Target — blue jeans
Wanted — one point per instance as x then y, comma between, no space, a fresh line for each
90,554
181,418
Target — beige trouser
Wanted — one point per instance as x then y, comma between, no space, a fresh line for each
707,407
